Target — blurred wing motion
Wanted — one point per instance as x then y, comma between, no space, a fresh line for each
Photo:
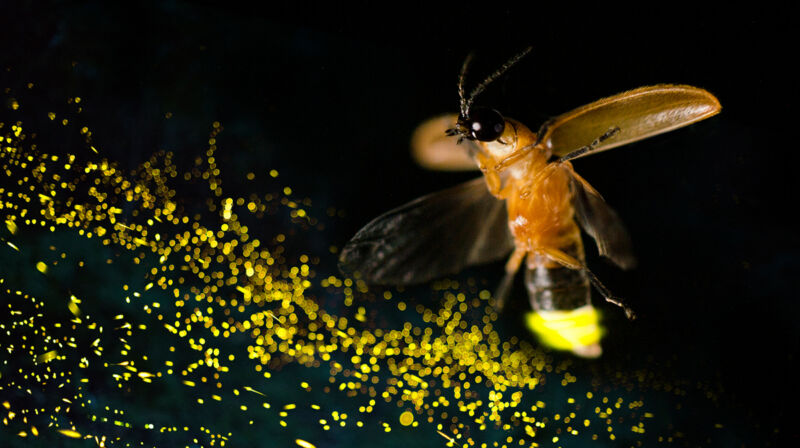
602,223
434,150
638,113
430,237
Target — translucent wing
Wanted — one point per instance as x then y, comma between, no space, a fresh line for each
602,223
638,113
434,150
432,236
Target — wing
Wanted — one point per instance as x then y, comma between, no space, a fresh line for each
639,113
602,223
434,150
432,236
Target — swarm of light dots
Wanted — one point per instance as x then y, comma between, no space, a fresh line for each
208,293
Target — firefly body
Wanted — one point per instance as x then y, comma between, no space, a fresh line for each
531,204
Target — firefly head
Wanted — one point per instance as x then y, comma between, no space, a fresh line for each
482,124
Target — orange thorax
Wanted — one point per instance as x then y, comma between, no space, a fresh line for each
540,207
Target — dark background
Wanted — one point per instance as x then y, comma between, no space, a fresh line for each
329,97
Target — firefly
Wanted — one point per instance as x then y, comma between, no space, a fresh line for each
528,207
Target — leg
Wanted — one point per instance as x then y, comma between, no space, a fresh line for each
512,266
513,157
573,263
618,301
589,148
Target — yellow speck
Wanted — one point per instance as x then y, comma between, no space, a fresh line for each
44,357
12,227
70,433
41,267
73,307
304,444
406,418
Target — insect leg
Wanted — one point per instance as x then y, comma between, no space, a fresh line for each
512,266
590,147
618,301
572,263
513,157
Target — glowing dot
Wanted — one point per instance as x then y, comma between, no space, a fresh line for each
406,418
304,444
74,309
41,267
45,357
70,433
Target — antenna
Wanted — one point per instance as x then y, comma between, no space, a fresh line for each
466,104
461,77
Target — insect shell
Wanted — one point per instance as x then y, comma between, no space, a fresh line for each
528,207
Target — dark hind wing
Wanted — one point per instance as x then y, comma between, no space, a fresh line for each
602,223
430,237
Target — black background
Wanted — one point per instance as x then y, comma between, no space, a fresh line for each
329,96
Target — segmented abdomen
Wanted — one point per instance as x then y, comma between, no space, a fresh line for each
554,287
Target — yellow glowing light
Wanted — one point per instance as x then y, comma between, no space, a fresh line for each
44,357
250,389
70,433
41,267
576,330
406,418
73,307
304,444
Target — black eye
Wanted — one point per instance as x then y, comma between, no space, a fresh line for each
485,124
